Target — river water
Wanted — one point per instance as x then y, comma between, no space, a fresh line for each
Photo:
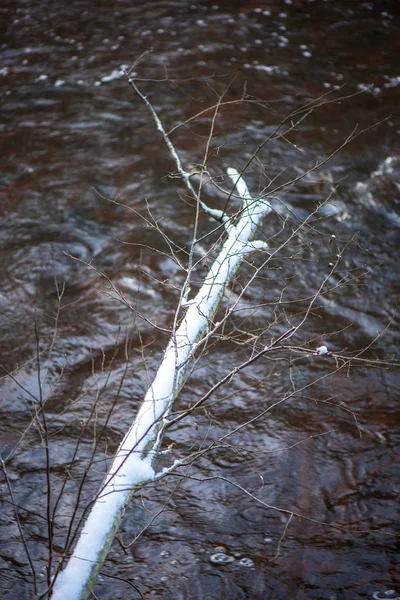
84,172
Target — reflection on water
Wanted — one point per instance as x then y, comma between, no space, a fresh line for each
79,148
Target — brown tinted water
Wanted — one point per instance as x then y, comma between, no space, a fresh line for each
74,134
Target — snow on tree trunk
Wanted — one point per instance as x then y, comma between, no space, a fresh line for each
132,465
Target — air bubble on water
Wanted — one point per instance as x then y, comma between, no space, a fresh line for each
393,82
115,74
221,559
246,562
268,540
269,69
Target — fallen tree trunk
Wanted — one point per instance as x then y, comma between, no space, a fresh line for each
132,465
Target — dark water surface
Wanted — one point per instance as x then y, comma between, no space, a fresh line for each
74,135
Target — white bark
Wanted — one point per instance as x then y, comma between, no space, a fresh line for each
132,465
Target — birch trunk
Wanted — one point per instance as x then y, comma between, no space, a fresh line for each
132,465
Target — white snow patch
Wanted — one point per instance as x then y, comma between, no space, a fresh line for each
322,350
70,582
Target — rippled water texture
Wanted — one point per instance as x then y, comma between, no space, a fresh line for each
83,172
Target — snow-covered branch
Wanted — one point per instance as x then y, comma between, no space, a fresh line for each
132,466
